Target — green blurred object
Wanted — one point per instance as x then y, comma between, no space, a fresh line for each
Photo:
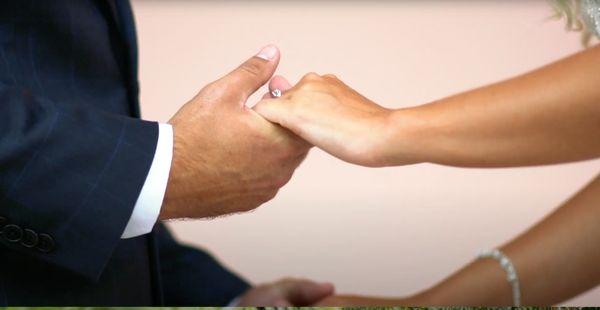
176,308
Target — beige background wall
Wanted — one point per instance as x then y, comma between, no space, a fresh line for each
377,231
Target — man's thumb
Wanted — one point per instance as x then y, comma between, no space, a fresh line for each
255,72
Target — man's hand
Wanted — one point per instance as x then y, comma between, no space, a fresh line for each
226,157
286,293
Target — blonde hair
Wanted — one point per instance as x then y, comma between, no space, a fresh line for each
570,10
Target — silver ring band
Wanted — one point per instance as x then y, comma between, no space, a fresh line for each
276,93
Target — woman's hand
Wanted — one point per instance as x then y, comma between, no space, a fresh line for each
548,116
332,116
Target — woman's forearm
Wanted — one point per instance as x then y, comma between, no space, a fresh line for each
550,115
555,260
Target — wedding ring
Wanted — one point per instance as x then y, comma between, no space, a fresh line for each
276,93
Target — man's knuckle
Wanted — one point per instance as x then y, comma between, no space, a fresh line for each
252,67
281,180
269,195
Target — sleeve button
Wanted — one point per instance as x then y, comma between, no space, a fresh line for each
45,243
12,233
30,238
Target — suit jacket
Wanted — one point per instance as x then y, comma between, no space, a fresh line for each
73,158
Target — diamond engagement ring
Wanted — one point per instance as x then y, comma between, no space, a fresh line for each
276,93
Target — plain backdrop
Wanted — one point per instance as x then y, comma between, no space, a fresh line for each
389,231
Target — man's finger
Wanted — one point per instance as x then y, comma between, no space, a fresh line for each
305,292
254,73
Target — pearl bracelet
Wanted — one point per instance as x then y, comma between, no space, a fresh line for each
511,272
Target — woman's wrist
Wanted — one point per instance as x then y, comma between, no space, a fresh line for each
405,138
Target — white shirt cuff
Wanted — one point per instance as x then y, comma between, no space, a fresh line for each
147,207
234,303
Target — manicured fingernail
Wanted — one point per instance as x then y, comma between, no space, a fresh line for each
268,52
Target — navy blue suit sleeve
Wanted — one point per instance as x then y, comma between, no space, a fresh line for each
191,277
69,178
